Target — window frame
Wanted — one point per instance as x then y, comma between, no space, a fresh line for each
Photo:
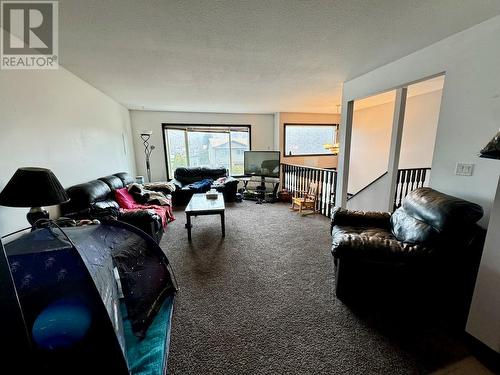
184,126
285,125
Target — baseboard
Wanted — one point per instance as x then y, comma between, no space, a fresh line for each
487,356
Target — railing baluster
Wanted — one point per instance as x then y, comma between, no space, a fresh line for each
333,195
295,178
407,183
320,191
301,178
408,180
306,179
283,169
401,175
327,191
413,175
287,177
316,180
401,186
396,196
418,172
323,192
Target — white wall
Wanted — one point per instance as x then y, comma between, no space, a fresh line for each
469,117
370,144
262,133
328,161
420,130
55,120
276,133
369,199
371,138
484,317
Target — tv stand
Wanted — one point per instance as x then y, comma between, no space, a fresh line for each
261,198
263,182
261,193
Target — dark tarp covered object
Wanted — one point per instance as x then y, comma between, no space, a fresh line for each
144,269
52,278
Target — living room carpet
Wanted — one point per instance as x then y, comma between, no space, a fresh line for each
261,301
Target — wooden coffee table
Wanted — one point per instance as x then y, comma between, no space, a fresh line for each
201,205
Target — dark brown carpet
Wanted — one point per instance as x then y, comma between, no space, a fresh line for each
261,301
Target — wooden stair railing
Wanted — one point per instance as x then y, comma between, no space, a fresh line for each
408,179
298,178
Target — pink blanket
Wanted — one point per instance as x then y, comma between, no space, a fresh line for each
127,203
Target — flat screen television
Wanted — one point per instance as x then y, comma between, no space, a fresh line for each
262,163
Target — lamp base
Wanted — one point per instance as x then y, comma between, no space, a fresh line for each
35,214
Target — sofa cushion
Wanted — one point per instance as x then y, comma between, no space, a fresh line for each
375,244
85,195
105,204
126,178
444,212
113,182
408,229
189,175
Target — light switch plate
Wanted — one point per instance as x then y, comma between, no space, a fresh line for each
464,169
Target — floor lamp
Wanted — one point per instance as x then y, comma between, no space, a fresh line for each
145,135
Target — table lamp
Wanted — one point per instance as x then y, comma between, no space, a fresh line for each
35,188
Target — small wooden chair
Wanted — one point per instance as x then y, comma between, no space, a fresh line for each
306,199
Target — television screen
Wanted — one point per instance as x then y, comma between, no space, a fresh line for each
262,163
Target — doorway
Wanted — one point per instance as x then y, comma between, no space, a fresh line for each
391,139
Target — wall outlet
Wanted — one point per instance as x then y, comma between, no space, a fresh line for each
464,169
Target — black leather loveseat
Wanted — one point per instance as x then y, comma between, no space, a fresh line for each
185,177
430,246
95,200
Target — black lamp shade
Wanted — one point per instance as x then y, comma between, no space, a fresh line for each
33,187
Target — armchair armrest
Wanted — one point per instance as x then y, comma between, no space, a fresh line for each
374,219
231,180
227,181
177,183
146,220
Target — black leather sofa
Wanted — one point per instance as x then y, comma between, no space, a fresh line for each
95,200
183,177
429,247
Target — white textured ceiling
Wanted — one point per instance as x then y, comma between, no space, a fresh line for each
247,56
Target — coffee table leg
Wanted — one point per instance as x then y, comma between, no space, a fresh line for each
223,224
188,225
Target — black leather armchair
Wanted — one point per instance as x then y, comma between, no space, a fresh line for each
430,244
95,200
183,177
